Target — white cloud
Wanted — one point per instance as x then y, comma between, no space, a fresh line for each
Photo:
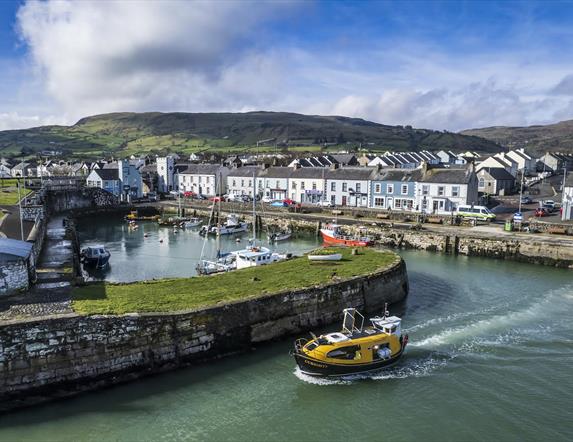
14,120
95,57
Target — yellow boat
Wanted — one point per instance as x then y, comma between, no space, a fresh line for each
355,349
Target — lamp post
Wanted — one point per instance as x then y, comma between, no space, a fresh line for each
20,211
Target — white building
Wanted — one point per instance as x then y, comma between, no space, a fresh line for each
348,186
514,165
165,174
240,180
442,190
494,162
203,179
120,178
273,182
307,185
524,161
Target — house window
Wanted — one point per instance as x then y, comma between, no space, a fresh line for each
250,183
294,184
277,184
397,203
377,188
333,186
390,189
441,191
481,182
234,183
200,179
207,180
333,200
378,202
302,185
313,185
344,187
456,191
425,189
404,189
242,183
357,187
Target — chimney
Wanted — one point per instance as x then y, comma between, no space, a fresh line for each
264,166
334,166
424,167
296,165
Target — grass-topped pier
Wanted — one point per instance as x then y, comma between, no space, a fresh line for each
177,294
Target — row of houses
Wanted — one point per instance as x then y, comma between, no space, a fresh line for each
428,188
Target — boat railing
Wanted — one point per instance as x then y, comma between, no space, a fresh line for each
299,344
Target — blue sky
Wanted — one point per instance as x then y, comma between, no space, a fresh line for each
442,65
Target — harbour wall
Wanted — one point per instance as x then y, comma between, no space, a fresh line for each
547,250
59,356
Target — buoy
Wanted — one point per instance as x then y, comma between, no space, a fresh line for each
145,235
238,240
160,240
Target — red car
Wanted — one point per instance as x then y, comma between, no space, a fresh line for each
289,202
188,194
216,199
541,211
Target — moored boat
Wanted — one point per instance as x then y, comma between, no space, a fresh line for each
280,236
193,222
354,349
95,256
333,234
325,257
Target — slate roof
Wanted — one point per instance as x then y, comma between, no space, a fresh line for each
451,175
405,175
108,174
498,173
203,169
348,173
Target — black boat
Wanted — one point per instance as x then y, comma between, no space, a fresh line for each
95,256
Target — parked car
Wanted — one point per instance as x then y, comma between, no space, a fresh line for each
289,202
324,203
266,199
549,207
188,194
200,197
279,204
541,211
216,199
526,200
152,196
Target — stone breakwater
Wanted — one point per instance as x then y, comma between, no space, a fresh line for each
547,250
59,356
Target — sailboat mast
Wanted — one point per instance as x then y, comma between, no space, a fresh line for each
254,209
219,216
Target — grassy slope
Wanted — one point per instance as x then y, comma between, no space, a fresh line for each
134,133
188,293
537,139
9,192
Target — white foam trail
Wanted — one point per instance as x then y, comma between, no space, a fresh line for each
533,312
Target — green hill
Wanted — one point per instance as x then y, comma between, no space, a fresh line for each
556,137
139,133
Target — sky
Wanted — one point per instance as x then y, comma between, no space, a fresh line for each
448,65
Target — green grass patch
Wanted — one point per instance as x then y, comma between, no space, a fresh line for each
178,294
9,195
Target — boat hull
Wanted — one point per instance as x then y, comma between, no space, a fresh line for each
96,262
328,238
315,367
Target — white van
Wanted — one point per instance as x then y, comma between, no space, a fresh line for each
478,212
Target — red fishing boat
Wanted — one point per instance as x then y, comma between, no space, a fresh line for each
332,234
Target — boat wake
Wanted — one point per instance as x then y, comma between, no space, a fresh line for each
407,368
495,328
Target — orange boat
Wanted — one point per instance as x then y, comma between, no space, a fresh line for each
333,235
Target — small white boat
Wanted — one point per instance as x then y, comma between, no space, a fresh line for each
280,236
95,256
193,222
332,257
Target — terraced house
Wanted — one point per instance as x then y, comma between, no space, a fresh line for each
203,179
394,189
442,190
348,186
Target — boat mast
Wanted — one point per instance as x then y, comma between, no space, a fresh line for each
219,217
254,210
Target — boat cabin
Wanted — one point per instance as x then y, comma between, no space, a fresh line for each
253,257
95,252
